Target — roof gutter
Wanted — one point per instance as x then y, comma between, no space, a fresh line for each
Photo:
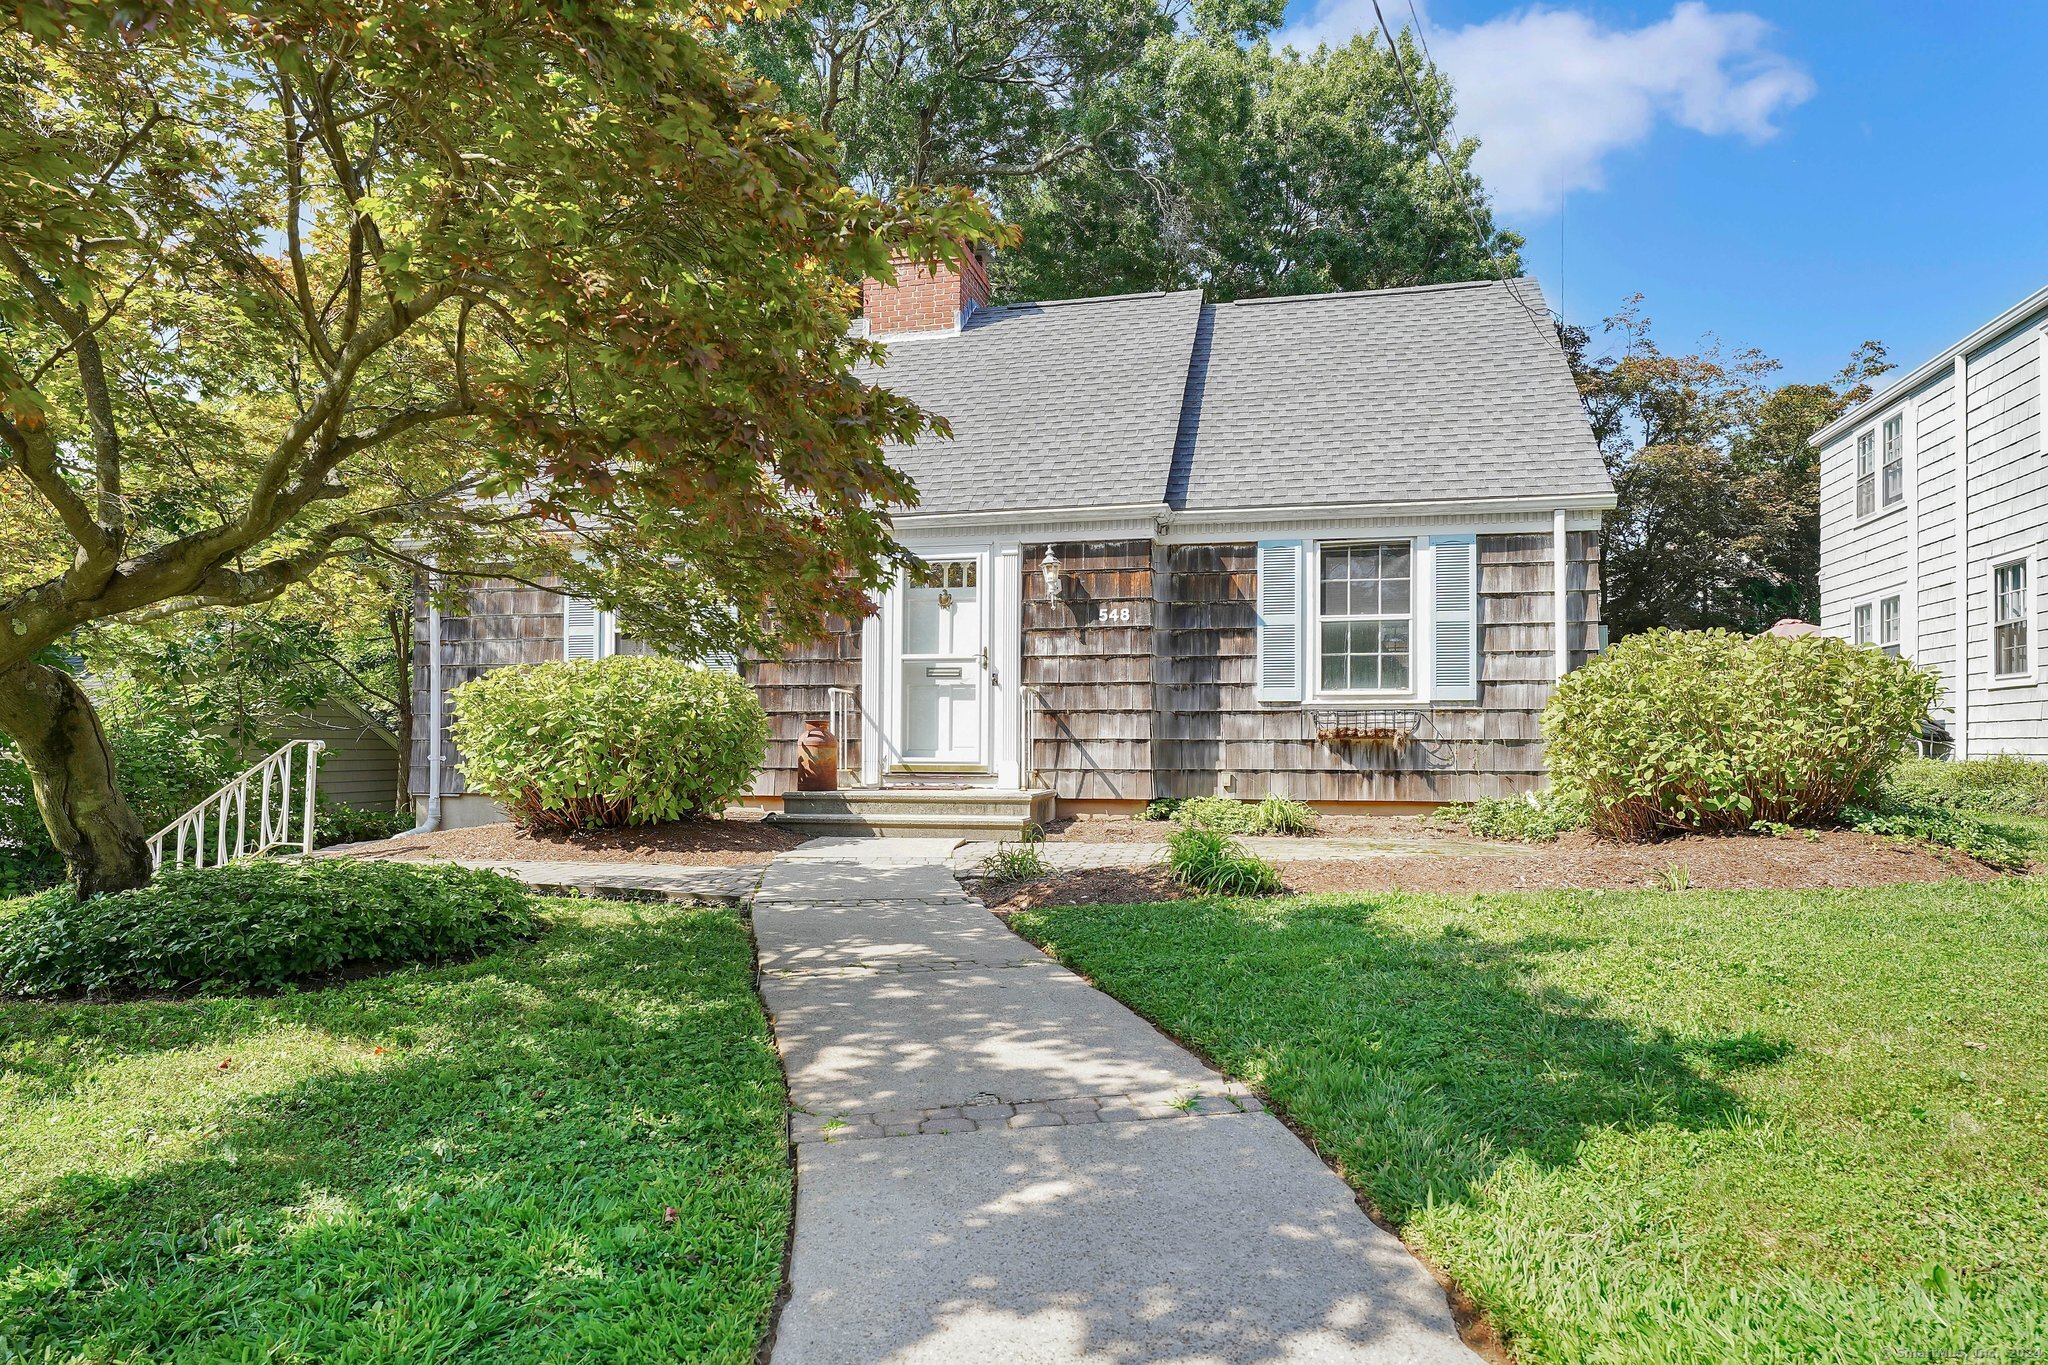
2004,322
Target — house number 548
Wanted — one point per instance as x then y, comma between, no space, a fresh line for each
1122,614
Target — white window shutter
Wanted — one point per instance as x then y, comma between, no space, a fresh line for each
1280,597
582,631
1454,572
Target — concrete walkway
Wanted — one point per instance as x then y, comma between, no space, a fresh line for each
997,1162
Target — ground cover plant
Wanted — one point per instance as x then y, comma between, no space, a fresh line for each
258,922
1652,1126
571,1150
606,743
1533,819
1710,731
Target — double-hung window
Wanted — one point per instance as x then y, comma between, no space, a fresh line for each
1893,490
1866,474
1866,630
1365,617
2010,657
1888,625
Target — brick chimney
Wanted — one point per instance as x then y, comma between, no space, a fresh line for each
925,300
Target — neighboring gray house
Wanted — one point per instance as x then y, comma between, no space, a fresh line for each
1339,547
1915,539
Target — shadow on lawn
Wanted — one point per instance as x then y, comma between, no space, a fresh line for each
600,1112
1419,1062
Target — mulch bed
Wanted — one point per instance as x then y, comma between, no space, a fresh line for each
735,839
1574,862
1129,829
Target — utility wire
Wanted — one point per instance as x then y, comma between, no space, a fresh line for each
1436,143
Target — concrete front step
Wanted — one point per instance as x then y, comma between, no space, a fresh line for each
961,813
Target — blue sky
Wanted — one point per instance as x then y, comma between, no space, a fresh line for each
1792,176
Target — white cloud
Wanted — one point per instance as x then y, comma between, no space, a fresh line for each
1551,94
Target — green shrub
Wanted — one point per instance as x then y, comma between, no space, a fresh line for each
1712,731
1224,814
1986,842
1161,809
628,740
1210,860
1533,819
334,823
259,922
2004,784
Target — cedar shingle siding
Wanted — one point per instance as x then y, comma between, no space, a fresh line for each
795,688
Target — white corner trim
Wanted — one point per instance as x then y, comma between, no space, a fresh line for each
1561,591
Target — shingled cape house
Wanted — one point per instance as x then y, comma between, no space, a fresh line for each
1316,545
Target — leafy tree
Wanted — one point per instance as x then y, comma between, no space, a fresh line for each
251,673
1146,145
1718,522
287,280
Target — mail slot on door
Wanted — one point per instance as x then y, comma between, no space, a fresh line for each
951,672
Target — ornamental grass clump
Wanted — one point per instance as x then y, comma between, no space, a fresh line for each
1712,732
601,744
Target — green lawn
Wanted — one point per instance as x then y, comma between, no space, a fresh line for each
474,1162
1639,1126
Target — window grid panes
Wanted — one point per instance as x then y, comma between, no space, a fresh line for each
1866,474
1894,461
1365,594
2009,644
1888,626
1864,635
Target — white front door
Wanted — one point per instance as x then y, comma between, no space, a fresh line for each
945,664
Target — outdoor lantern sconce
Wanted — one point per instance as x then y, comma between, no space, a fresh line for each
1049,570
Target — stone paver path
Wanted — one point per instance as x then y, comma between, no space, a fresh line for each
997,1162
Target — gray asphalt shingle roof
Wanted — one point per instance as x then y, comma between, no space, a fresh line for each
1432,394
1071,404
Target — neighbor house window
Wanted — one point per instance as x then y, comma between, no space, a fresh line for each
1894,461
1864,633
1365,597
2009,657
1866,474
1888,626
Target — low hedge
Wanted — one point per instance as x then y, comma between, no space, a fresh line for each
256,923
628,740
2004,784
1711,731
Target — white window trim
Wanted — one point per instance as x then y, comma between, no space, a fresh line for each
1880,509
2031,617
1419,622
1874,604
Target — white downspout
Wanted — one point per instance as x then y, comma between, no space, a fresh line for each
431,821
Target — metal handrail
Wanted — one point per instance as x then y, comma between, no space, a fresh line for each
231,805
842,712
1029,700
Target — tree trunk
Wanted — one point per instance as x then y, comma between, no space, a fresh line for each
51,720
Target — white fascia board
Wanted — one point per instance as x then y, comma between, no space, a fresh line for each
1583,512
2005,322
